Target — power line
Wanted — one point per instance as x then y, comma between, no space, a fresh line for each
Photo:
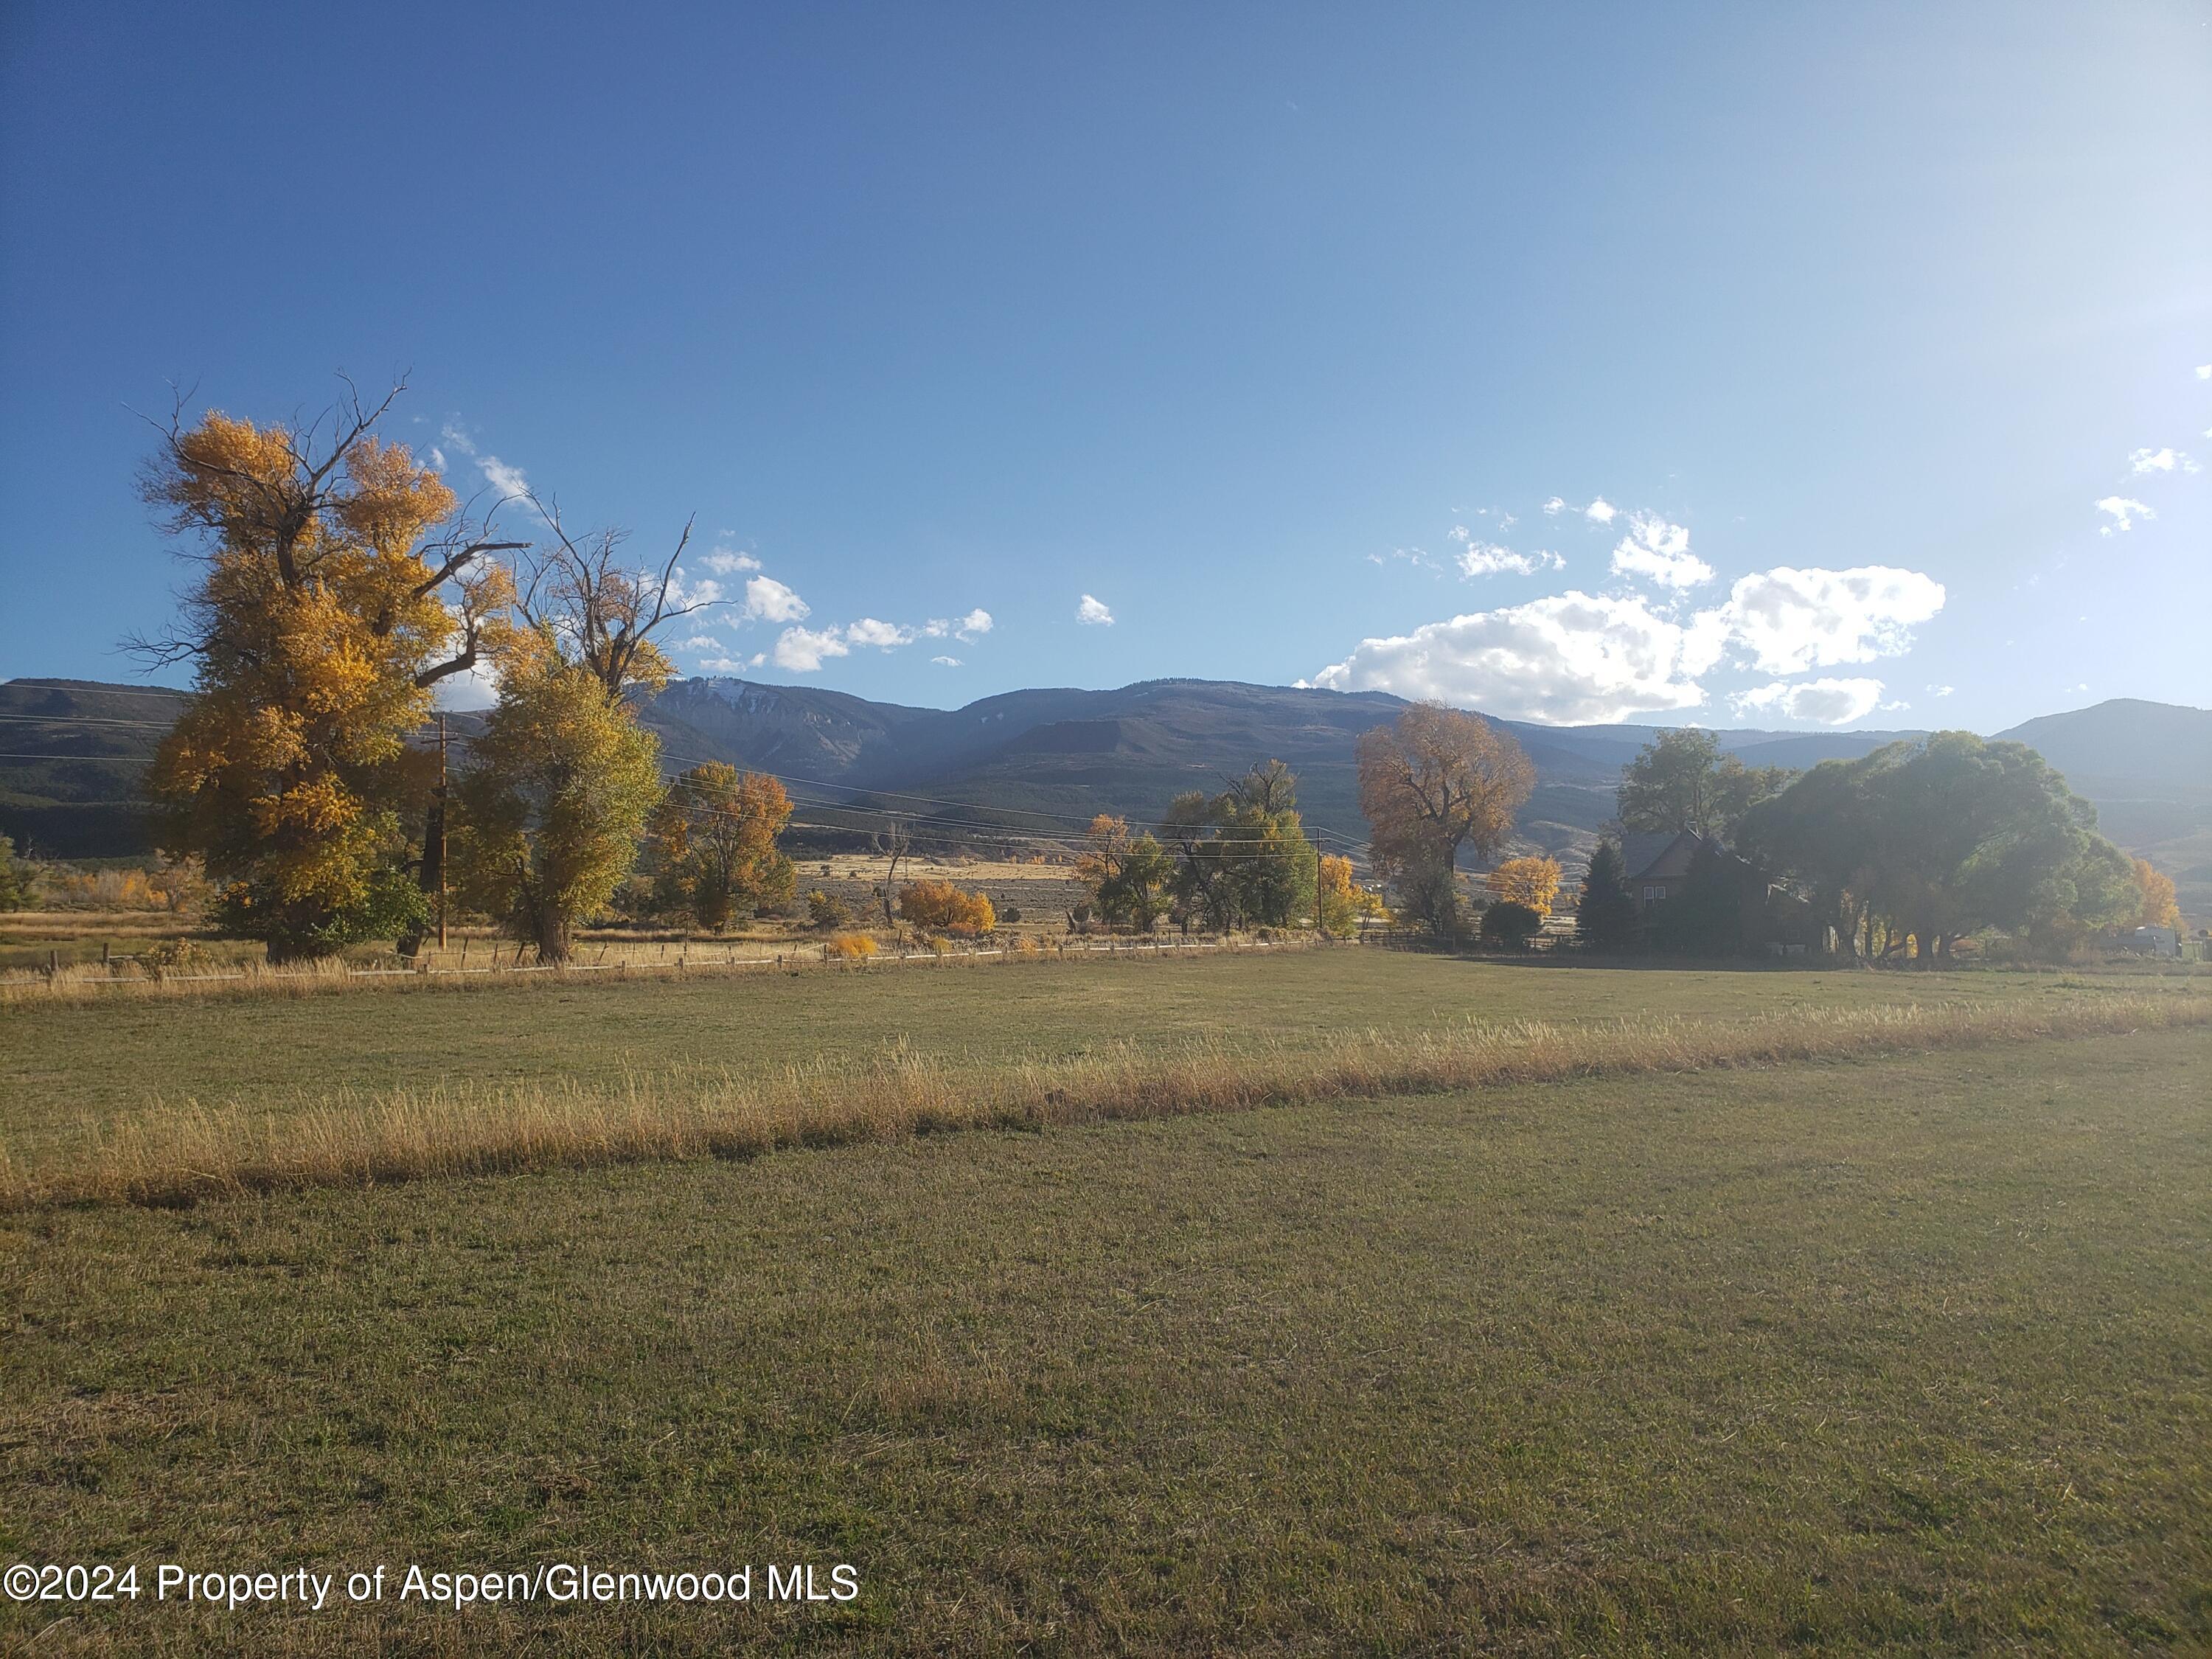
88,720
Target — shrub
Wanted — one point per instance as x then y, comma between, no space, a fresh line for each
1510,925
827,911
941,904
174,956
1011,913
849,947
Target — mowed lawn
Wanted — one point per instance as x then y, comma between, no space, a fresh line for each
1909,1356
63,1067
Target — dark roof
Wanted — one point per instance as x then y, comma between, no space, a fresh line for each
1658,855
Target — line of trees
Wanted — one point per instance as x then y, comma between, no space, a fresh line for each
340,581
1237,859
1901,852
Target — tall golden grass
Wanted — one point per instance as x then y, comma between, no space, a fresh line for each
76,984
176,1156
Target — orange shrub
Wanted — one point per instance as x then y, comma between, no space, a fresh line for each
849,947
941,904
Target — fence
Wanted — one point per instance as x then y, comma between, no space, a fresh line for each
799,958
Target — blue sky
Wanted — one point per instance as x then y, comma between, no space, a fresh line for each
1270,331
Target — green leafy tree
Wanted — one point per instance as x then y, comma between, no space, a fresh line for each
1272,864
1511,924
1241,858
1681,780
554,800
1605,915
1822,830
14,879
1931,839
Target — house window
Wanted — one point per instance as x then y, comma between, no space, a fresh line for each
1650,893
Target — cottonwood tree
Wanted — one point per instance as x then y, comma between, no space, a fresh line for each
2158,908
1934,838
1534,882
14,879
1240,857
1681,781
556,792
339,580
894,843
1128,874
1436,783
1342,902
561,784
713,834
602,610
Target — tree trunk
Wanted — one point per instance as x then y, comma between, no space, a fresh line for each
553,937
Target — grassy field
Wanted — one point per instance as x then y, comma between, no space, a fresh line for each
1911,1354
62,1066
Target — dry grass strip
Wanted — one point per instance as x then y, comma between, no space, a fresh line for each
179,1155
82,984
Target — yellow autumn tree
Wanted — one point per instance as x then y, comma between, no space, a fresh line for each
2159,907
1534,882
714,851
338,583
1344,902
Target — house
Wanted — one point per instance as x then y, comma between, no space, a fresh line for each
2155,941
1655,863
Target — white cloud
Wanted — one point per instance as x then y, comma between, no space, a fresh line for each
1830,702
1570,658
2160,460
508,481
701,642
2204,371
472,688
771,601
1486,559
972,626
887,635
725,665
1602,511
1786,621
704,592
802,650
1575,657
1092,613
723,562
437,457
2124,513
1659,552
1554,506
946,662
1943,691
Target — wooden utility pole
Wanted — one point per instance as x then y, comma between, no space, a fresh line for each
441,816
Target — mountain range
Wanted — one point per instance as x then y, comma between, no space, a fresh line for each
1041,762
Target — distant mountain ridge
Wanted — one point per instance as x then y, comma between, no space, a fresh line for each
1040,760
